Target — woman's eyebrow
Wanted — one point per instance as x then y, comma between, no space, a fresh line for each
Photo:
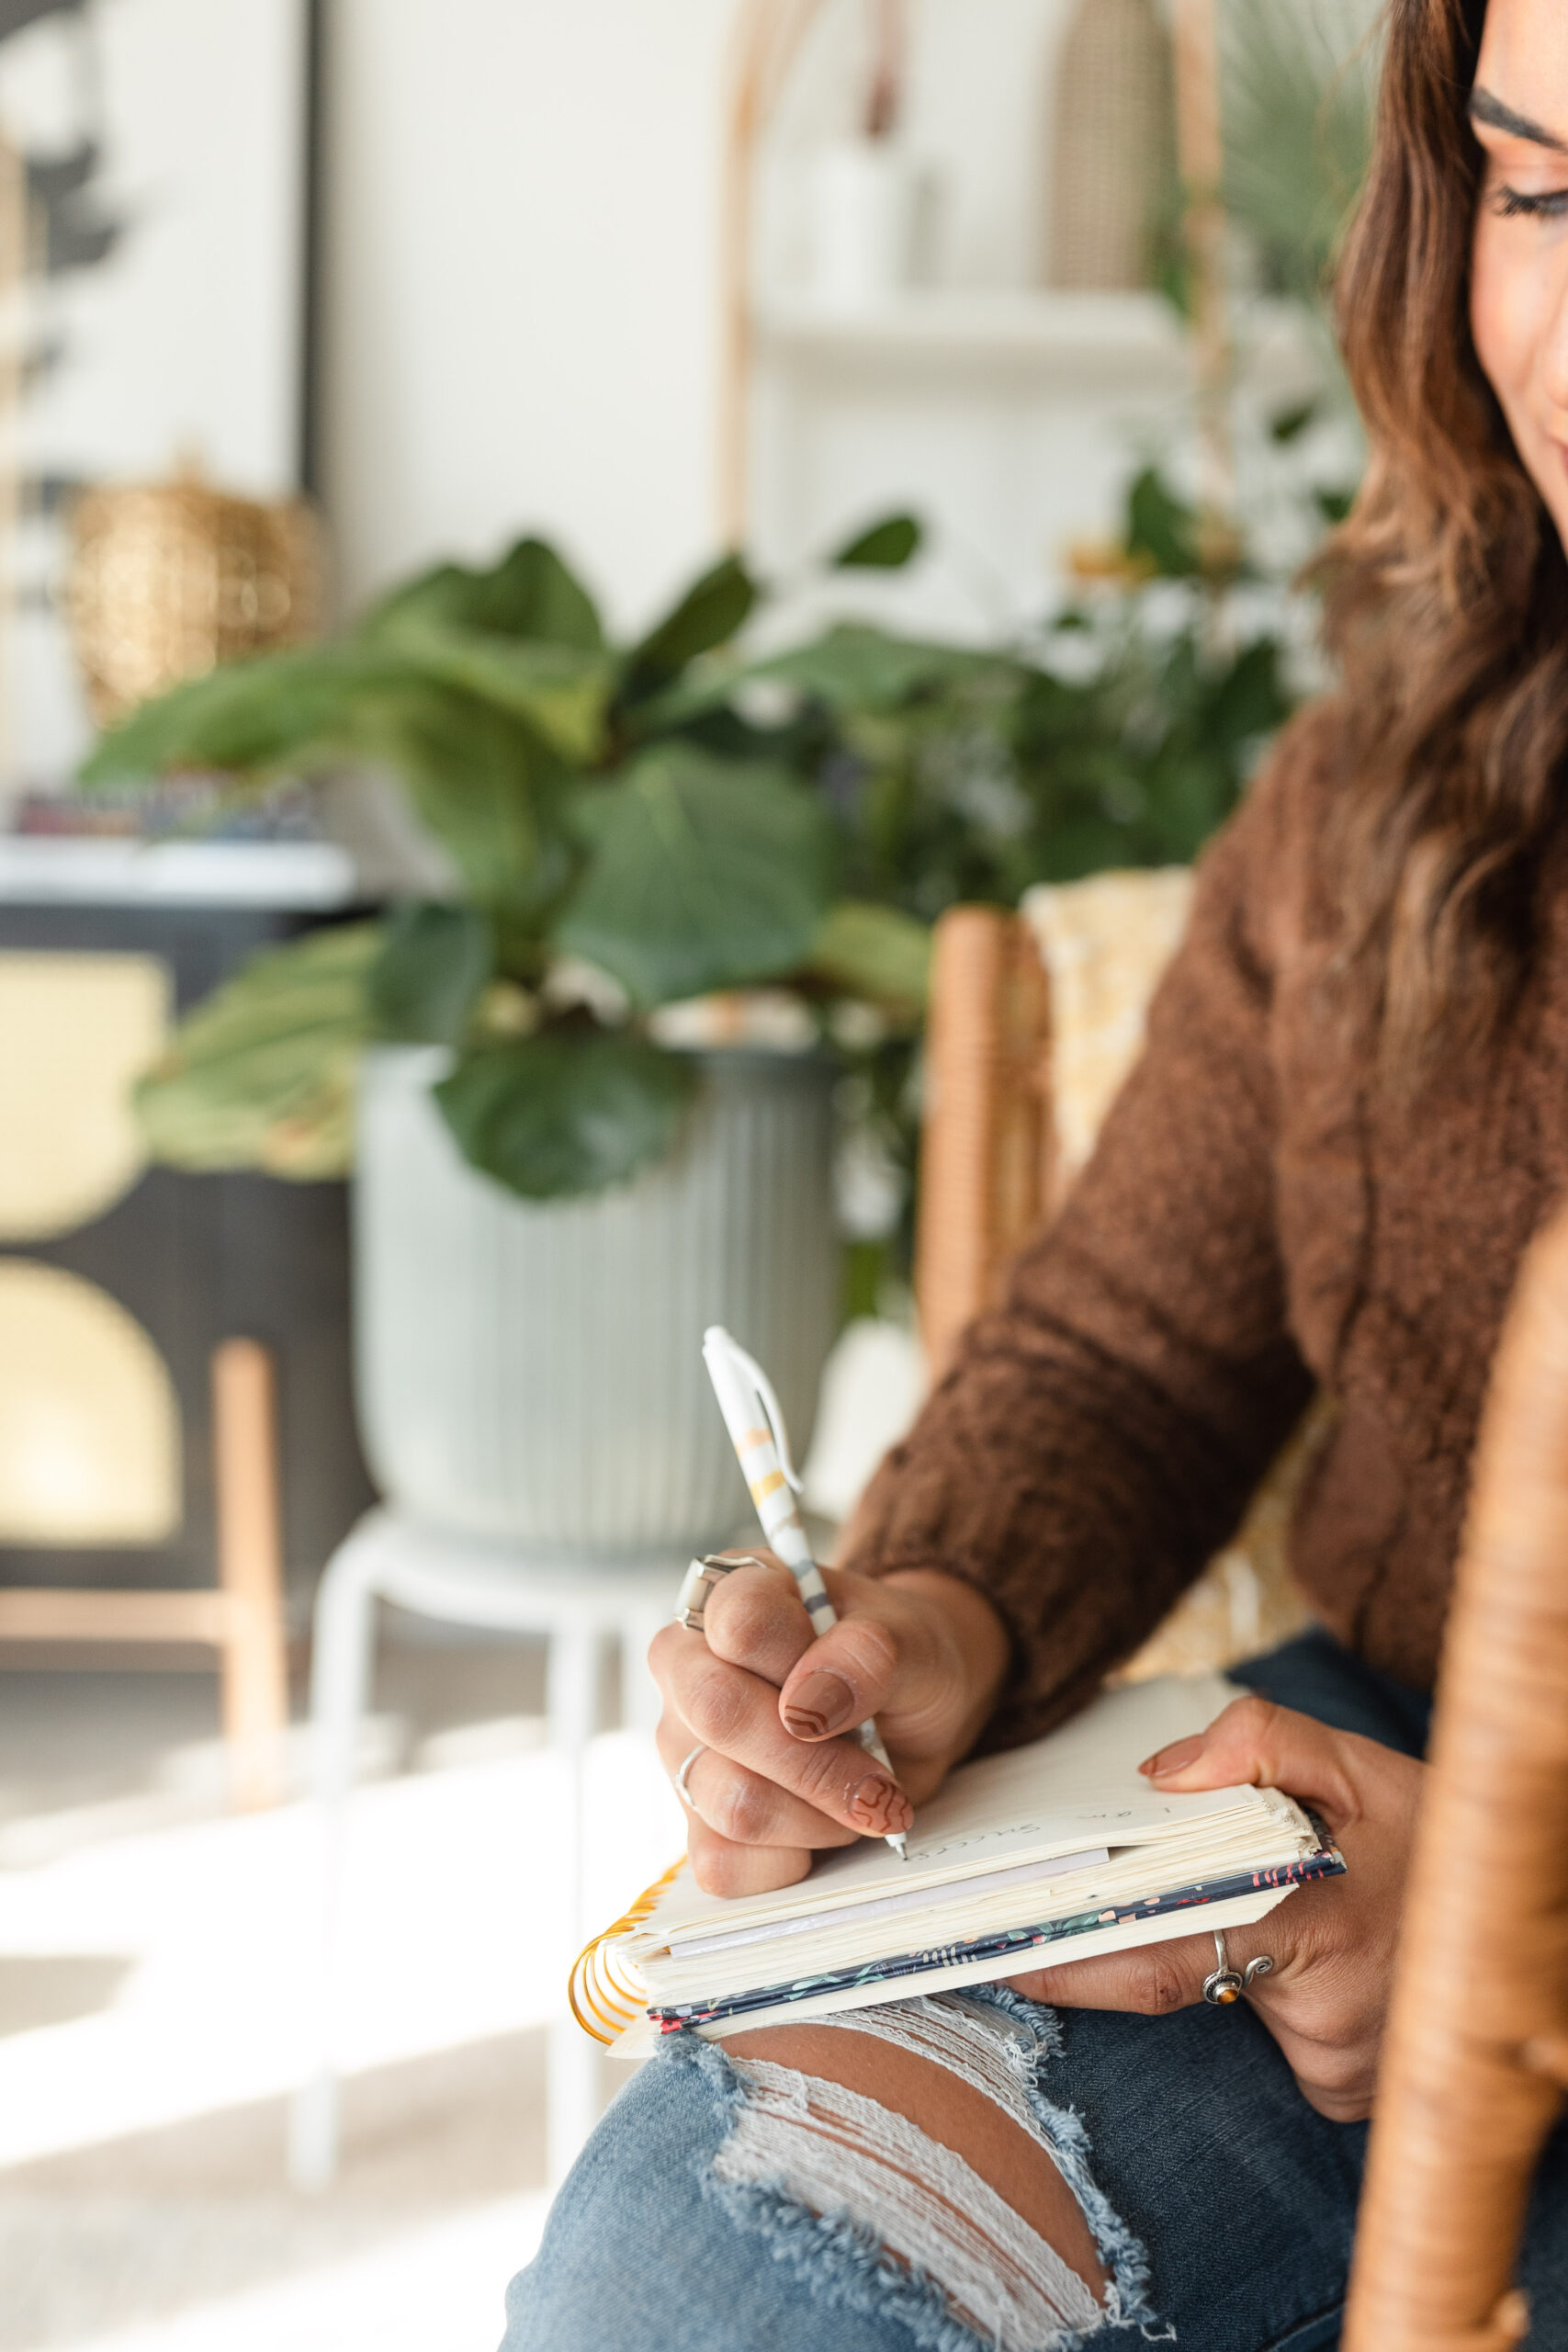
1484,107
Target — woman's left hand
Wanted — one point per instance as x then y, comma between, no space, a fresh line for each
1332,1942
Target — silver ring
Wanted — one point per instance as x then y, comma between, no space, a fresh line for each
1224,1984
681,1788
698,1582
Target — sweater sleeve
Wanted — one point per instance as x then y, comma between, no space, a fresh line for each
1101,1431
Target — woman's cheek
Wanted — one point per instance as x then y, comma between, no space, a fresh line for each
1514,318
1500,306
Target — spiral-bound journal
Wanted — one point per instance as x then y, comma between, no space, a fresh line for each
1050,1852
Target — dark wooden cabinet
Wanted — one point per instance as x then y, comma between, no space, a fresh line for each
197,1258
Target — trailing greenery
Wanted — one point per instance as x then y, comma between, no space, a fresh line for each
1122,735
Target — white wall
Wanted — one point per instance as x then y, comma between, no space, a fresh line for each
523,307
521,292
522,295
181,341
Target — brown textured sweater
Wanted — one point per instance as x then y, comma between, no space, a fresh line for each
1259,1219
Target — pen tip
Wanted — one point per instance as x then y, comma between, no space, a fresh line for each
900,1845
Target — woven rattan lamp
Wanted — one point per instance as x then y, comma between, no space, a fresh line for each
168,579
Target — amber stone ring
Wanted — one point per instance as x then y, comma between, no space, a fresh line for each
1224,1984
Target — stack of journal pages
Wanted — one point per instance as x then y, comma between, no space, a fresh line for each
1050,1853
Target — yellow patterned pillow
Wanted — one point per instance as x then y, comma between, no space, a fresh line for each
1104,943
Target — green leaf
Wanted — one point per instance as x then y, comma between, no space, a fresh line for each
1248,699
486,788
434,964
855,667
887,545
708,614
1290,423
705,874
873,951
1163,527
261,1074
558,691
259,714
1334,504
528,594
566,1111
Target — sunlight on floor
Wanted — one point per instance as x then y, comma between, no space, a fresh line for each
438,2289
201,1941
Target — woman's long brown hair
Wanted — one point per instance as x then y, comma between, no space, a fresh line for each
1446,591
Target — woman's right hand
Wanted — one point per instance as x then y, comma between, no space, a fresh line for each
775,1710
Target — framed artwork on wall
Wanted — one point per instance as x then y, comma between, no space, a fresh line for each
155,167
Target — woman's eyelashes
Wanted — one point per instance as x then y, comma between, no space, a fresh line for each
1513,204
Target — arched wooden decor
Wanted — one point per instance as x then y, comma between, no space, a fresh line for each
767,42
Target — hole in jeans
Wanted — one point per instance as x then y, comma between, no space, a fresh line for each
914,2123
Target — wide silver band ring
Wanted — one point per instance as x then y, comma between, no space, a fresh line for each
699,1581
1225,1985
681,1790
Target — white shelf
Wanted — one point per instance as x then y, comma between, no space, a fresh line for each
304,875
1119,337
1114,342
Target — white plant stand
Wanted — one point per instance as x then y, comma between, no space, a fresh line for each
466,1581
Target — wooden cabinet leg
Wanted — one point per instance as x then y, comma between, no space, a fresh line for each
249,1571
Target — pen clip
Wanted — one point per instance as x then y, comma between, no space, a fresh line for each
718,1340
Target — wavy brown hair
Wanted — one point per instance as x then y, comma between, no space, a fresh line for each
1446,591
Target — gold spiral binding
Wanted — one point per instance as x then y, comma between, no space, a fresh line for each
614,2001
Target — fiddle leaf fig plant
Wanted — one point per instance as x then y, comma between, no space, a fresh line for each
618,843
630,828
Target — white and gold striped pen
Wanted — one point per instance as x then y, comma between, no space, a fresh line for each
756,1431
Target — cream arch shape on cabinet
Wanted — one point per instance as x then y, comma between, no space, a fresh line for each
90,1446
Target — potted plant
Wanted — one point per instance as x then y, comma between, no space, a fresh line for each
562,1171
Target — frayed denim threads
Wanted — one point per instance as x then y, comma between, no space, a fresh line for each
1066,2135
842,2259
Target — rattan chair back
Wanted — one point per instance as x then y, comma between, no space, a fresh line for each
1476,2059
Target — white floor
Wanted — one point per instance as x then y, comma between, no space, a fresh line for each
439,2286
159,1998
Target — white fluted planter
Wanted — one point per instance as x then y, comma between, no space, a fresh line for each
533,1371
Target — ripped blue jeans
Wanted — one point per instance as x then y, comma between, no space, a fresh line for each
1222,2205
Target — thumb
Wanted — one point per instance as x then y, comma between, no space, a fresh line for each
890,1655
1256,1743
843,1678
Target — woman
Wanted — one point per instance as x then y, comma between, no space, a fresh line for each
1351,1116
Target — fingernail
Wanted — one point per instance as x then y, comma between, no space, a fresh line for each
880,1806
1174,1759
823,1703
